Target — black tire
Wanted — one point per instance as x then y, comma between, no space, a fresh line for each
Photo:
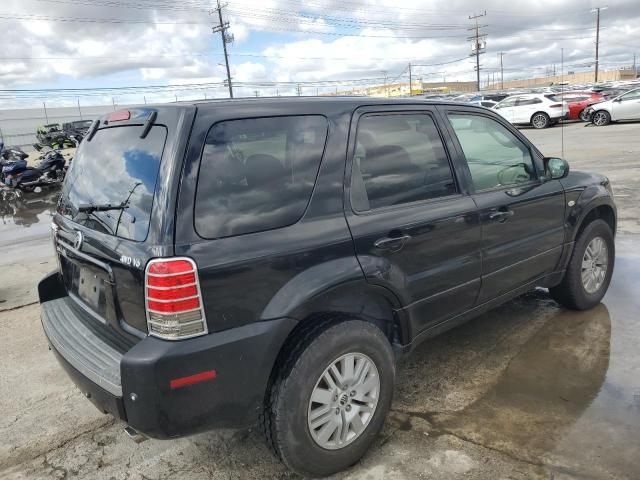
601,118
284,422
583,115
540,120
571,292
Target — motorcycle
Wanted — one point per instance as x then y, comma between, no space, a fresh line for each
50,170
9,153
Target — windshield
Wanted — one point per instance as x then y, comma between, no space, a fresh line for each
116,167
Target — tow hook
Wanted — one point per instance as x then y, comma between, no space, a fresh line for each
134,434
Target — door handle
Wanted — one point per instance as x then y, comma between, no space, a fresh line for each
501,215
391,243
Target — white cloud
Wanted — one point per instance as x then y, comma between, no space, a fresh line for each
304,42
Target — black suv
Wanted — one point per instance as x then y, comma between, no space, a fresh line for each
269,260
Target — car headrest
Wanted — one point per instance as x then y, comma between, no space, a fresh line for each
262,169
386,158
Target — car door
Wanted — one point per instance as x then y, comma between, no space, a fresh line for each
414,226
627,107
522,214
525,108
506,108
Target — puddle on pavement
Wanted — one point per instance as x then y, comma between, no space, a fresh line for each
24,209
570,396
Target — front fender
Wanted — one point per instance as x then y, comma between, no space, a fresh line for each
588,192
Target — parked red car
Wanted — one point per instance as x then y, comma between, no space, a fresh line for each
579,101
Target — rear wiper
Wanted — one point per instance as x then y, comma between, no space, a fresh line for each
101,207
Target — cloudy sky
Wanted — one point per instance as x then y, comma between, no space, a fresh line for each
322,44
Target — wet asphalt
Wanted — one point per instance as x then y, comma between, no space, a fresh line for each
526,391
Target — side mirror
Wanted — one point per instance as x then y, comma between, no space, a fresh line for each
555,168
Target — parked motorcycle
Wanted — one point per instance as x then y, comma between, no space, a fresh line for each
50,170
53,136
9,153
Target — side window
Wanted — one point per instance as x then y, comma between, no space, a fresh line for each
634,95
496,157
399,159
508,102
528,101
257,174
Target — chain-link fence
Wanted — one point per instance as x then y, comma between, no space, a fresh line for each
18,127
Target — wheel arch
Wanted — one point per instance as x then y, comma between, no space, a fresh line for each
602,211
338,289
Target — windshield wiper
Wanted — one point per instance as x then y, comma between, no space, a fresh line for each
101,207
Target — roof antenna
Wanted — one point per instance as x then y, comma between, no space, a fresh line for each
563,102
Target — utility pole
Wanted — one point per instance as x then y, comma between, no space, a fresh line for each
386,89
501,70
222,27
597,12
410,79
635,70
479,46
299,89
46,117
79,110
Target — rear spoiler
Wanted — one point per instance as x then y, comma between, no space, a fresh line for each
151,118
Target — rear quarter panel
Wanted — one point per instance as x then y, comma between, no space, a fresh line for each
271,274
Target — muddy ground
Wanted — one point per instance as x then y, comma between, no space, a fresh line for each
526,391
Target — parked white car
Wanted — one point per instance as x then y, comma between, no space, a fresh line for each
622,107
535,109
484,103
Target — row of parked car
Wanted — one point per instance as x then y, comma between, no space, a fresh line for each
546,107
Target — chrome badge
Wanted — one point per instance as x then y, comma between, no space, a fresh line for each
77,242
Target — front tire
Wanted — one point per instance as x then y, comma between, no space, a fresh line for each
330,397
540,120
589,271
601,118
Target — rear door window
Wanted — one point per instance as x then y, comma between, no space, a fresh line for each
116,168
399,158
257,174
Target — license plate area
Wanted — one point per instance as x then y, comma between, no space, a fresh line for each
90,287
89,284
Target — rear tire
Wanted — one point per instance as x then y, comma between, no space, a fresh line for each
601,118
540,120
585,283
293,424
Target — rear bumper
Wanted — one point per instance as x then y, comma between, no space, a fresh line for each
132,382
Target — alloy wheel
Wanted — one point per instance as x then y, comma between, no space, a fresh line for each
595,262
343,401
539,120
600,119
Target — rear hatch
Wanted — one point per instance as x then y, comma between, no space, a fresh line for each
116,211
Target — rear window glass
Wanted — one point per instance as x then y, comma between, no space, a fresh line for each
116,168
257,174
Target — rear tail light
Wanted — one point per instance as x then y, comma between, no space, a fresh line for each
173,299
